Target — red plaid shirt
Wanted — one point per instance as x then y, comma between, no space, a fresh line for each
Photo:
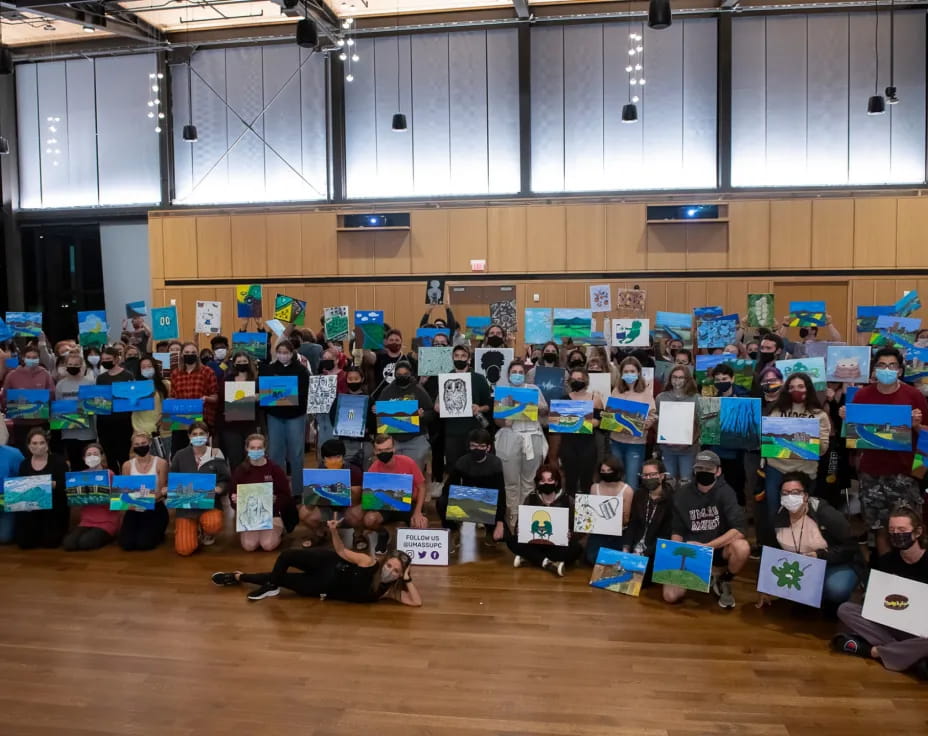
196,385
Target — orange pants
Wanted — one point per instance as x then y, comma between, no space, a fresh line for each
187,531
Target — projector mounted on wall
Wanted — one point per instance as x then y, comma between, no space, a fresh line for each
374,221
658,214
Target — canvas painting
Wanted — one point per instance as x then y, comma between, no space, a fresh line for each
568,416
181,413
814,368
276,326
708,409
136,309
676,423
208,318
598,514
897,602
321,394
551,382
631,333
807,314
66,414
399,416
790,438
253,343
685,565
7,334
88,487
335,323
674,326
278,391
435,291
92,329
191,491
620,572
454,396
744,372
467,503
907,304
920,460
867,316
739,423
601,298
351,415
322,487
848,363
760,310
503,313
717,332
896,332
386,492
548,525
368,329
240,401
634,300
133,396
623,416
435,360
95,400
248,301
879,427
539,325
133,492
704,364
165,360
290,309
707,312
254,507
516,404
29,493
492,363
601,383
571,323
797,578
164,324
475,327
24,324
27,403
425,335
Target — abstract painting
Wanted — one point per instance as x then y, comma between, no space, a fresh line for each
674,326
24,324
907,304
549,525
335,323
897,602
717,332
454,396
503,313
551,382
598,514
790,438
623,416
164,324
568,416
620,572
29,493
92,328
707,312
27,403
386,492
707,413
879,427
399,416
241,400
515,404
539,325
848,363
248,301
95,400
814,368
191,491
467,503
572,323
634,300
739,423
351,415
252,343
797,578
631,333
807,314
321,394
278,391
435,360
254,507
133,492
208,318
181,413
601,298
133,396
492,364
290,309
676,422
66,414
867,316
88,487
685,565
136,309
368,329
475,327
760,310
323,487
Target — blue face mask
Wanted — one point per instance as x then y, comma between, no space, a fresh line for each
30,362
198,441
255,454
517,379
886,376
630,378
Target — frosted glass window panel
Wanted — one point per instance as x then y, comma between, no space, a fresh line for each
799,104
579,86
28,136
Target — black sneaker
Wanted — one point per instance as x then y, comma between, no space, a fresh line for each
383,542
755,552
265,591
920,669
225,578
850,644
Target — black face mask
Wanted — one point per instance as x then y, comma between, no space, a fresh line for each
902,540
141,450
550,358
575,364
106,364
610,477
385,457
495,341
545,488
478,456
704,477
404,381
577,385
241,367
73,370
190,359
753,355
355,388
723,387
326,365
765,358
461,364
650,484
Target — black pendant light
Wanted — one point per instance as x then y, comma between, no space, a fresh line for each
399,119
630,113
190,130
4,146
891,97
876,105
659,15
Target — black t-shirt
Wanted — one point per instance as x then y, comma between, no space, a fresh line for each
893,564
385,365
107,379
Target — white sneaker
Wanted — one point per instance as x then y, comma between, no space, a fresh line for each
207,540
559,569
517,561
556,567
436,489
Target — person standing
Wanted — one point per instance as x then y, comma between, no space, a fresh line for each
193,380
74,440
113,429
29,374
456,431
404,388
630,450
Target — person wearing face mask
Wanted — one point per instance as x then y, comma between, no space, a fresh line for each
682,388
733,470
46,528
834,470
494,337
145,530
325,421
707,513
358,449
193,380
259,468
193,527
405,387
113,429
384,361
770,350
242,367
611,483
810,526
752,349
29,374
630,450
521,446
455,431
448,322
548,492
98,525
886,477
577,452
683,357
338,574
220,362
335,457
896,650
651,512
73,440
149,421
286,425
437,428
809,334
10,460
768,385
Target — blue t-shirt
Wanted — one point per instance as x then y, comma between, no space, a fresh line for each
10,460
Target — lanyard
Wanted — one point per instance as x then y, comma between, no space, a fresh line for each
802,526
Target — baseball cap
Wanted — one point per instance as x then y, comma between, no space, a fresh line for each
707,460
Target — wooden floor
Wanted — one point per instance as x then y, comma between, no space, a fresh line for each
116,643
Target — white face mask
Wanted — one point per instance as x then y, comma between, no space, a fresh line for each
792,502
283,358
387,575
92,461
221,353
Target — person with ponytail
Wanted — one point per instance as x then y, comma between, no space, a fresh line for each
144,530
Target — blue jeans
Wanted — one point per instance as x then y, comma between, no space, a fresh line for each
679,463
632,457
287,444
774,478
7,527
325,431
840,581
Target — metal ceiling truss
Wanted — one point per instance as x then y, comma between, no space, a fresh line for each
104,16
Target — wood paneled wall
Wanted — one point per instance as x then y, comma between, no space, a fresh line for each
793,238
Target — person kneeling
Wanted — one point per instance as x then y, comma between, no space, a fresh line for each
258,469
707,512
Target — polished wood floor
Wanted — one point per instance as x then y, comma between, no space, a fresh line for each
120,643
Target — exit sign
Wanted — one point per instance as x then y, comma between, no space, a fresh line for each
478,265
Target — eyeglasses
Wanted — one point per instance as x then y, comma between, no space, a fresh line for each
794,492
891,366
650,475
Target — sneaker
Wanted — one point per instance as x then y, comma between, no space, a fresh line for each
755,552
454,541
207,540
383,542
726,599
850,644
920,669
436,488
265,591
517,561
558,568
225,578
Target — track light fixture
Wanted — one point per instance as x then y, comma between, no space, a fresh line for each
659,14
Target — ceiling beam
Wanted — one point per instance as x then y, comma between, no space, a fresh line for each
118,22
522,10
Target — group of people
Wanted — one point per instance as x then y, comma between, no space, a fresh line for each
690,493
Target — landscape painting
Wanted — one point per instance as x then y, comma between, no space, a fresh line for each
133,493
66,414
631,333
546,525
598,514
399,416
95,400
240,401
708,409
814,368
704,364
539,325
685,565
29,493
467,503
572,323
867,316
794,577
568,416
739,423
253,343
623,416
254,507
515,404
181,413
848,363
674,326
323,487
88,487
191,491
92,328
24,324
707,312
879,427
368,329
790,438
475,327
807,314
27,403
277,391
920,460
620,572
290,309
898,332
133,396
351,415
760,310
386,492
335,323
248,301
435,360
425,335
